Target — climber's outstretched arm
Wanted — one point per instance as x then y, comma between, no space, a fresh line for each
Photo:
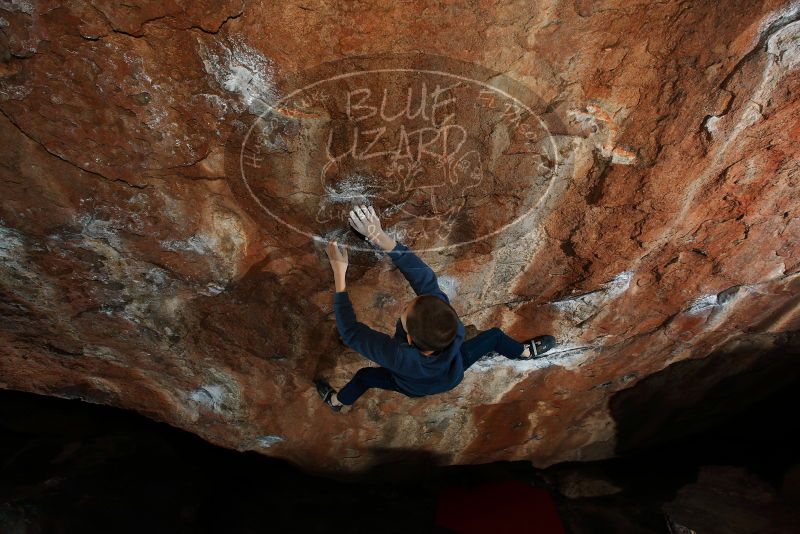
421,277
373,345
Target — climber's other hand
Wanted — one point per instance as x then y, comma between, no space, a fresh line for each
337,254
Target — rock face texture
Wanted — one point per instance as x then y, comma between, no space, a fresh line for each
642,207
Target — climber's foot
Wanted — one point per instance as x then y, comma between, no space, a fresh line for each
328,395
536,347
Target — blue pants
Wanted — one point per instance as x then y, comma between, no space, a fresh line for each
472,350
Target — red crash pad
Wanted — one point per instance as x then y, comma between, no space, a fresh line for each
499,508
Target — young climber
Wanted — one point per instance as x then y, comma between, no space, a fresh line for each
427,354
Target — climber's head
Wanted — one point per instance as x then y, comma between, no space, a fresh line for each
430,323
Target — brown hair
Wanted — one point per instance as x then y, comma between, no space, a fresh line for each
432,323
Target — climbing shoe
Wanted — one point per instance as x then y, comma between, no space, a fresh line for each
538,346
326,392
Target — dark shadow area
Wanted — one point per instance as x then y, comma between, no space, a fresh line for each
737,407
71,467
67,466
694,395
401,465
755,446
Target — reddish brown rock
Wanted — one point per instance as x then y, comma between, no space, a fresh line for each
134,271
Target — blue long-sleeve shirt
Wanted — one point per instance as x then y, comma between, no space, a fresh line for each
414,372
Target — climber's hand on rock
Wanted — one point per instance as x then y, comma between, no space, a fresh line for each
366,222
338,258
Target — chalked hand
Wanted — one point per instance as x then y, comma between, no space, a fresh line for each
365,221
